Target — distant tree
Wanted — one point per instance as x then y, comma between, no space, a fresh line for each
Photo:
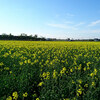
30,35
23,34
35,36
4,34
42,38
68,39
10,34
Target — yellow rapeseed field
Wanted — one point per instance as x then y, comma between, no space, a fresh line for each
56,70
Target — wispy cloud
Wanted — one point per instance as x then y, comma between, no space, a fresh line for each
90,31
79,24
73,24
58,25
94,23
62,26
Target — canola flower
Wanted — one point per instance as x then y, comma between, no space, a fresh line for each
84,68
15,95
21,63
9,98
79,92
10,72
37,99
93,83
86,85
46,75
94,72
34,95
71,70
40,84
79,67
73,81
88,64
25,94
80,81
1,63
63,71
55,74
6,68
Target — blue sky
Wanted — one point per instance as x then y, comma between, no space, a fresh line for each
51,18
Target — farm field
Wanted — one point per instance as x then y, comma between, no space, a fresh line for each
56,70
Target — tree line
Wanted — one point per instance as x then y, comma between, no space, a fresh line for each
22,36
25,37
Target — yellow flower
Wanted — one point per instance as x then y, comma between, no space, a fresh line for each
79,67
66,99
21,63
37,99
79,92
15,95
93,83
25,61
86,85
80,81
74,98
95,71
6,68
46,75
29,61
25,94
75,67
9,98
88,63
34,95
40,84
1,64
54,74
88,68
10,72
63,71
73,82
91,74
84,68
71,70
96,78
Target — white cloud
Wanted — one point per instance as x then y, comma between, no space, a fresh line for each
73,24
67,25
62,26
94,23
90,31
81,23
58,25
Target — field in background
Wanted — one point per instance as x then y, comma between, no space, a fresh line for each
49,70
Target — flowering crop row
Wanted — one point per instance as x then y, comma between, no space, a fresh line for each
49,70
